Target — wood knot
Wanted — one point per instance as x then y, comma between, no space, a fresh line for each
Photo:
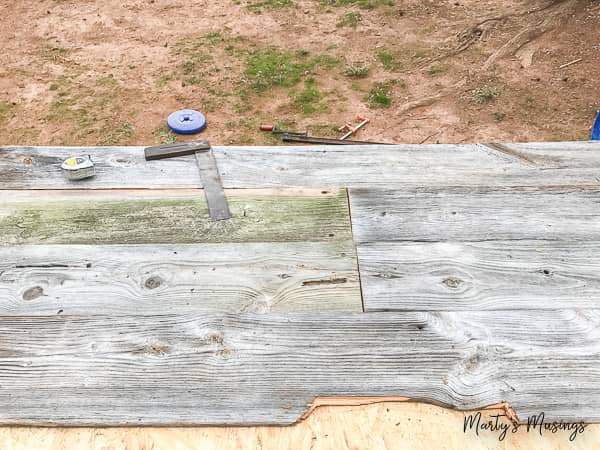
153,282
157,349
28,160
33,293
215,338
452,282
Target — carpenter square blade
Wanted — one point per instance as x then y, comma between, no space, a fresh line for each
213,188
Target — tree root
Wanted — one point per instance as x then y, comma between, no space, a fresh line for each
479,31
551,20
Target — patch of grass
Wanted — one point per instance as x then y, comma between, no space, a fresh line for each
53,86
434,69
308,101
271,67
324,130
324,61
6,110
268,68
269,4
115,134
165,135
356,71
363,4
484,94
380,95
213,37
389,61
192,80
187,67
88,113
164,79
106,81
54,54
499,116
350,19
65,109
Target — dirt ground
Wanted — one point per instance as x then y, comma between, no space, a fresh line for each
109,73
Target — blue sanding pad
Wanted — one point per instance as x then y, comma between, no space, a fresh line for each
186,121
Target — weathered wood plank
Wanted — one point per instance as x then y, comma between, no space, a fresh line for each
567,163
182,278
474,214
266,369
170,216
494,275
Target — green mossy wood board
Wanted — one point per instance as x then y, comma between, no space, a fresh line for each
171,216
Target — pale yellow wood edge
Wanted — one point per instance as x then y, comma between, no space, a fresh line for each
375,424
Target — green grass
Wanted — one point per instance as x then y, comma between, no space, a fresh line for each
106,81
164,79
308,101
187,67
389,61
53,86
350,19
269,68
499,116
6,110
435,69
54,54
324,61
165,135
357,71
363,4
324,130
484,95
115,134
269,4
380,95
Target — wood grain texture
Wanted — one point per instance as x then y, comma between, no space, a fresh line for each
567,163
265,369
494,275
475,214
170,216
182,278
380,426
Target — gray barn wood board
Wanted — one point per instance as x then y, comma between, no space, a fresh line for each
572,163
268,368
476,214
181,278
122,303
494,275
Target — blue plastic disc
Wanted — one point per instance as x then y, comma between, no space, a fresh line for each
186,121
596,129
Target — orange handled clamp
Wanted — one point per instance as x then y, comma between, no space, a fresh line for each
353,129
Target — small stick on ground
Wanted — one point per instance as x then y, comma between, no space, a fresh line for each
570,63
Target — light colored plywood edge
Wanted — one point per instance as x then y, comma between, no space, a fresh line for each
386,425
